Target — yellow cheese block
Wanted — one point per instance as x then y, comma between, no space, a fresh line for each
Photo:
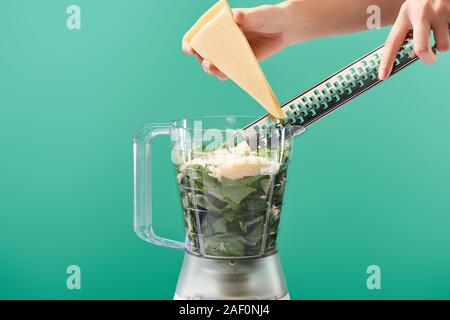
218,39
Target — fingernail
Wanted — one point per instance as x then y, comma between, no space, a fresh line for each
185,48
208,71
237,15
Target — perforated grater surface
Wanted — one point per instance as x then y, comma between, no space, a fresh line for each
335,91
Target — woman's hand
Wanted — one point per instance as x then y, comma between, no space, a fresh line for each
422,16
266,29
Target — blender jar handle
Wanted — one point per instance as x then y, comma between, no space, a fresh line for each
143,186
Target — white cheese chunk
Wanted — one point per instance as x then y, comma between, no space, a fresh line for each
218,39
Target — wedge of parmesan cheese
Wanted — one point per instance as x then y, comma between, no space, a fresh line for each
218,39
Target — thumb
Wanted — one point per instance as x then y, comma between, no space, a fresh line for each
260,19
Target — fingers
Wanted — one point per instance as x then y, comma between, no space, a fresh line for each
392,46
423,16
442,35
250,18
207,66
262,19
187,48
265,47
239,17
422,46
212,70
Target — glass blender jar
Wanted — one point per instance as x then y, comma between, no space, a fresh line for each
231,185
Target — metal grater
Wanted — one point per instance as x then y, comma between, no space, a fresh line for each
335,91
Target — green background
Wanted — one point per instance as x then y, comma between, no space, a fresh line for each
369,184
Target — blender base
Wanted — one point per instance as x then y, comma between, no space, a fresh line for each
176,297
224,279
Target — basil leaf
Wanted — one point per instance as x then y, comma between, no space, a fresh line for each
220,225
250,181
234,190
231,213
256,234
265,184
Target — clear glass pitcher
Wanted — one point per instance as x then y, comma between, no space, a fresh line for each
231,184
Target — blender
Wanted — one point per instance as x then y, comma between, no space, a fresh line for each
232,217
231,184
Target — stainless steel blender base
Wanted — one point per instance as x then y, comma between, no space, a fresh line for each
176,297
242,279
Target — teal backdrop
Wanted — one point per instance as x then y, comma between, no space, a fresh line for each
369,184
